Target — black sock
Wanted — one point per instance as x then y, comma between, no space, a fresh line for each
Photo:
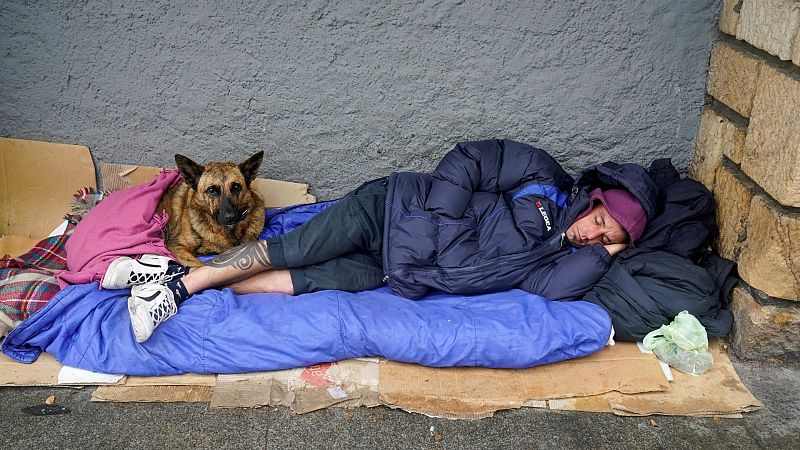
179,292
176,270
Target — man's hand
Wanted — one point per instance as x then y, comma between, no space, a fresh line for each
613,249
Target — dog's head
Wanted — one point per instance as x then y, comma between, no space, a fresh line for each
222,189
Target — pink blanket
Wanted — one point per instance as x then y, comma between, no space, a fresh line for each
125,223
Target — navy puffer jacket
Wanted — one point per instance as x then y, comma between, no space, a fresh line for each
491,217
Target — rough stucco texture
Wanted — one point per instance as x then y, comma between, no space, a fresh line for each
337,93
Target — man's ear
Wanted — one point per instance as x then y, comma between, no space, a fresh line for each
191,170
250,167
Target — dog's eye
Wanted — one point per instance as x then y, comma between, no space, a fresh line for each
212,190
236,188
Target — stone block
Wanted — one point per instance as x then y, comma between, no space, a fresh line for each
772,147
732,76
770,257
716,136
729,17
732,194
764,331
734,138
770,25
796,55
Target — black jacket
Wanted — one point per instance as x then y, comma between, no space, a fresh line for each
647,290
491,217
672,268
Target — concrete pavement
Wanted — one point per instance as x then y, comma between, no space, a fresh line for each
144,426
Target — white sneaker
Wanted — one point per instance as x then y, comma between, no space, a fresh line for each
126,272
149,305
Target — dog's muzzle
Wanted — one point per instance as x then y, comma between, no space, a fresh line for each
239,218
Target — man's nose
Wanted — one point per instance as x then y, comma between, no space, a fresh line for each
593,233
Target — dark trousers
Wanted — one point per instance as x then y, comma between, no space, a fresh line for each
339,248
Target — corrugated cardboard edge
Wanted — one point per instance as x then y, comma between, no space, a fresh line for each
153,394
42,372
189,387
187,379
275,193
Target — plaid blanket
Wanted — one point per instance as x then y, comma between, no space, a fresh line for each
28,282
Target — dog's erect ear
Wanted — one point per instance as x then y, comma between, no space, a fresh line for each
191,170
250,167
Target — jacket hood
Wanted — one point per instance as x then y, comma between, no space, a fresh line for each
631,177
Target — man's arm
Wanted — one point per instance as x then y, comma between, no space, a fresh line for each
489,166
572,275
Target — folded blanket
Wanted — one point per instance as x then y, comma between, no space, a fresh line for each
125,223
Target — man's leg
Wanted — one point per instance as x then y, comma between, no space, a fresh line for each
358,271
352,272
229,267
279,281
353,225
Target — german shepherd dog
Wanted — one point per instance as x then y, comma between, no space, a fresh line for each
212,209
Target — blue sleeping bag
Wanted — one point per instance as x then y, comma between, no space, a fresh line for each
221,332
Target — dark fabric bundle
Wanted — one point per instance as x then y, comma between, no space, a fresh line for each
672,268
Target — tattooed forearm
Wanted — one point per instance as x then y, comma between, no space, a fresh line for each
243,257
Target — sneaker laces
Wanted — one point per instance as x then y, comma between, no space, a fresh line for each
152,277
163,310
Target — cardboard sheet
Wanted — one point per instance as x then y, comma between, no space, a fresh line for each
47,371
153,394
187,379
351,382
718,392
478,392
626,382
38,177
274,192
42,372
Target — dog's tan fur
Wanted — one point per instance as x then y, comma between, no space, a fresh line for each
194,205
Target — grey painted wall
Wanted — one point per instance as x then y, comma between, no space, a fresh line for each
337,93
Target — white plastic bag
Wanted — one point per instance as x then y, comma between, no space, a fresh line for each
683,344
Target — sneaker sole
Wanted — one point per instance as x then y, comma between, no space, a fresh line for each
136,322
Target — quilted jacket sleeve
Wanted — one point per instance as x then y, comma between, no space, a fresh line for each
571,276
489,166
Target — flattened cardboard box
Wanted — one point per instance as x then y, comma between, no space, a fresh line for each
37,181
619,379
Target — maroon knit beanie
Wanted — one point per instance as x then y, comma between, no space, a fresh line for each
624,208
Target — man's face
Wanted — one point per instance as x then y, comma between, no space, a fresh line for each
597,226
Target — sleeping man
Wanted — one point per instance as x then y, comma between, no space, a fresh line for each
493,216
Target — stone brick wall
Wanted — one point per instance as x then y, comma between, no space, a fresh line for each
748,153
